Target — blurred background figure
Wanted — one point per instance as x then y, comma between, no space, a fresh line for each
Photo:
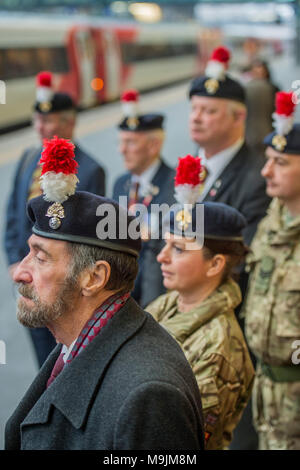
272,305
260,95
54,114
149,180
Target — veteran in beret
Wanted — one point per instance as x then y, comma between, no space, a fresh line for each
148,180
116,380
217,125
272,306
197,263
54,114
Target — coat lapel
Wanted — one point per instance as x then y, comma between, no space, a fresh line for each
159,179
227,177
30,402
73,390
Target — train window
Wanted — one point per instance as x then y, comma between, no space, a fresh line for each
140,52
26,62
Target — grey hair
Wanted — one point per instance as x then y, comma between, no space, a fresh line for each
68,115
158,134
124,267
236,107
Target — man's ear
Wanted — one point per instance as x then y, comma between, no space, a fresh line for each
95,279
218,263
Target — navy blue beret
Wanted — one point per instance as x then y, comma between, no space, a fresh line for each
289,143
228,88
85,218
59,102
142,122
221,222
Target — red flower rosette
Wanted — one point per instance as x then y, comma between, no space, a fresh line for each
130,95
44,79
284,103
221,54
188,171
58,156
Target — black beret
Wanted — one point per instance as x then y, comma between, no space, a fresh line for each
228,88
59,102
86,218
221,222
142,122
289,143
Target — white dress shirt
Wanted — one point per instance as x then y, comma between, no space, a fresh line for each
145,178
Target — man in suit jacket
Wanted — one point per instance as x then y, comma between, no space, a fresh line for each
58,119
118,381
217,125
141,147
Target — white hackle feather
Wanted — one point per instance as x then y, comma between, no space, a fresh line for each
44,93
130,108
57,187
282,124
215,69
187,193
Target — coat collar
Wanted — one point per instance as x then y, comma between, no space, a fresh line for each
73,390
182,325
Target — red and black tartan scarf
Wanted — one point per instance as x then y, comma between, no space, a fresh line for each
100,318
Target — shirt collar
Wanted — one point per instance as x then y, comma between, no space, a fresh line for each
220,160
146,177
65,350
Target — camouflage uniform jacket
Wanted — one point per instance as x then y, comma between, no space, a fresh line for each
216,350
272,308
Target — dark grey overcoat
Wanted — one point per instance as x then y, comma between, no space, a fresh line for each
131,388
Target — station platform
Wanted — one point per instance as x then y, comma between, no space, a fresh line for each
97,133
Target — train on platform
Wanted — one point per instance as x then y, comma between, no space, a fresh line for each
94,60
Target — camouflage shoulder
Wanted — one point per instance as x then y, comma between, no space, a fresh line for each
160,306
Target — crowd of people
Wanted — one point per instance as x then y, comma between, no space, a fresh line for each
182,337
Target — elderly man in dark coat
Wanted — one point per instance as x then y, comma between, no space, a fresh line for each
54,114
148,181
118,380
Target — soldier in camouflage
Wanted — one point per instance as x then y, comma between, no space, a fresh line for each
199,313
272,308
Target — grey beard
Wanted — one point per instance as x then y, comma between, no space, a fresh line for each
43,314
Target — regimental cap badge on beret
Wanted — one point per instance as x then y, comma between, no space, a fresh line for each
283,119
130,101
189,180
216,69
44,91
58,178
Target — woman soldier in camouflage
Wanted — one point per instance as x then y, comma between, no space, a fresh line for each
198,310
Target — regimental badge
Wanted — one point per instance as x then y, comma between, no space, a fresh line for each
183,219
279,142
211,85
203,174
56,212
132,122
45,106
